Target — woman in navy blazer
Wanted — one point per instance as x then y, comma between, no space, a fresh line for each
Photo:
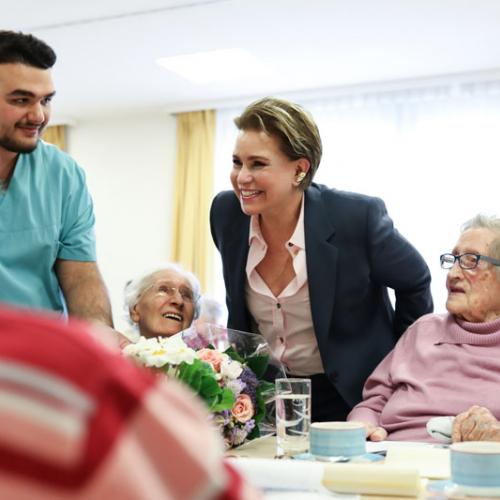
352,255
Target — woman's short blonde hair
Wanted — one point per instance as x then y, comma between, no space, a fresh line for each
294,127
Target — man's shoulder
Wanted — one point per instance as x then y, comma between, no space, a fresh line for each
50,167
53,159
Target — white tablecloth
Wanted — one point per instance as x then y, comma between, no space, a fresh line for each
303,480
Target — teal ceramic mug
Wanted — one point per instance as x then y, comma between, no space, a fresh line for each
333,439
475,468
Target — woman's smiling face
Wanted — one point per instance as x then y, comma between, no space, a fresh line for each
264,179
474,294
165,307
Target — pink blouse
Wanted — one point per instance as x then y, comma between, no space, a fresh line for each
285,321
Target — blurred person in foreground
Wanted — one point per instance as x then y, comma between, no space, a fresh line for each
162,301
81,422
47,250
308,266
444,363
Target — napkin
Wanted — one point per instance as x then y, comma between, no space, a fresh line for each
372,479
284,474
433,463
441,428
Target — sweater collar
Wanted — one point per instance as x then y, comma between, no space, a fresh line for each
465,332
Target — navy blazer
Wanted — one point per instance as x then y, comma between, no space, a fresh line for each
353,254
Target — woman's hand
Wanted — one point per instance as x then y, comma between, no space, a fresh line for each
374,433
476,424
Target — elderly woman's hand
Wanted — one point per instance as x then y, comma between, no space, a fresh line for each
374,433
476,424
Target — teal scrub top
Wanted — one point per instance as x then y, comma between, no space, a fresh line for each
45,214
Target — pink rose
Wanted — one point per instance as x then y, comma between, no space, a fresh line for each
243,408
212,357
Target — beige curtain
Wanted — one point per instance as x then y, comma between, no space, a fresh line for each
56,135
193,191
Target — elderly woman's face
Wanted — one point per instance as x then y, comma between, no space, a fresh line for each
166,307
474,294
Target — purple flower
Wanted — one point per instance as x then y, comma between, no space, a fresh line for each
249,425
250,380
226,414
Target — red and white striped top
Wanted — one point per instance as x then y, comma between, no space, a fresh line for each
79,421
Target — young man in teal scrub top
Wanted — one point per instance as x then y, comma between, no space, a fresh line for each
46,216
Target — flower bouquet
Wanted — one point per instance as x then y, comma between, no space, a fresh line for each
231,371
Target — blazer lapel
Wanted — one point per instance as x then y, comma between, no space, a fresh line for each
321,259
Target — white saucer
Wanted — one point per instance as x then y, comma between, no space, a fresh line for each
453,490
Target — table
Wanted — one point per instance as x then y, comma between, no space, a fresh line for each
264,447
432,463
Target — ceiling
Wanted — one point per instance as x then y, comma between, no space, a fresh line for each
107,48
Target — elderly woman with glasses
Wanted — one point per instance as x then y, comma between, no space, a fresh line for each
443,364
163,301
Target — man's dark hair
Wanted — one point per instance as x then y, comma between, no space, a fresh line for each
16,47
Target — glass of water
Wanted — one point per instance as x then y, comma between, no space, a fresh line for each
293,415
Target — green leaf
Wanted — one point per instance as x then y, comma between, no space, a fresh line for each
225,402
234,355
260,411
266,388
254,433
209,387
202,379
258,364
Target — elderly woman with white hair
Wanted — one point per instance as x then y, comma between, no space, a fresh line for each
446,363
163,301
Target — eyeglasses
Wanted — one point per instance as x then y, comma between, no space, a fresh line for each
167,290
466,260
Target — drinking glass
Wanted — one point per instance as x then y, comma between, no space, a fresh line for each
293,415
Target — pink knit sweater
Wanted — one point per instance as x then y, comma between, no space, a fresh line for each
440,366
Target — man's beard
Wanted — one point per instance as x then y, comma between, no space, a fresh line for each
10,144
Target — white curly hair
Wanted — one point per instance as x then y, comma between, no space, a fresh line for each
136,287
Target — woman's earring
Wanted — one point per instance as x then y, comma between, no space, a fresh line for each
300,177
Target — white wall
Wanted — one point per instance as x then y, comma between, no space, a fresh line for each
431,154
431,184
129,162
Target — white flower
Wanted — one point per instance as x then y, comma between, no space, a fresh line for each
230,369
235,386
141,346
177,350
155,359
158,352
